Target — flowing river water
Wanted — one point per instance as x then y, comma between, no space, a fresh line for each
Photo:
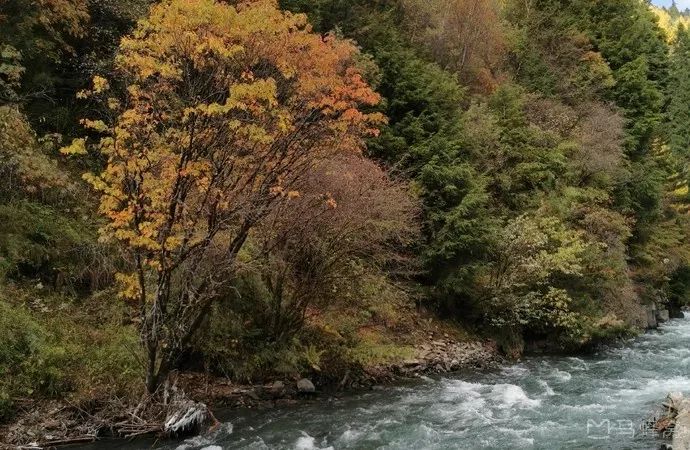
594,402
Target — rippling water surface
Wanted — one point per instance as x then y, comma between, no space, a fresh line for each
541,403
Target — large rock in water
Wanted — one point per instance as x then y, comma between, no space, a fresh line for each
675,312
305,386
662,315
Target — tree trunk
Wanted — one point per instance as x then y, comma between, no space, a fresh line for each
152,378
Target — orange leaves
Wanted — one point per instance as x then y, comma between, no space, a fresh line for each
214,46
218,113
225,109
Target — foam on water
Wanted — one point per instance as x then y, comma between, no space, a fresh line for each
515,371
194,443
562,375
350,435
307,442
510,395
547,389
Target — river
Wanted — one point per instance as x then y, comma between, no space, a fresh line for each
599,402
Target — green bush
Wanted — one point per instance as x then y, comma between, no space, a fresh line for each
29,363
56,354
115,363
38,241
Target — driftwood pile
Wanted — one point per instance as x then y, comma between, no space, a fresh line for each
172,414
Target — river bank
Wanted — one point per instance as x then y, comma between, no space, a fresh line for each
598,401
45,424
437,351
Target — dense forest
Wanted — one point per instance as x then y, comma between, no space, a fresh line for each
257,190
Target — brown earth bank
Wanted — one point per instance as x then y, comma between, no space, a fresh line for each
47,424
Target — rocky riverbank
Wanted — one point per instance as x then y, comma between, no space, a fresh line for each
438,356
52,423
658,313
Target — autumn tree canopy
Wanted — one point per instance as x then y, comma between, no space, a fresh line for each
217,112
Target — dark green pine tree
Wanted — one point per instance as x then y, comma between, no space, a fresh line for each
627,34
673,10
679,93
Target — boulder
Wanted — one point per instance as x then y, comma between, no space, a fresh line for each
651,316
662,315
277,389
675,312
305,386
251,393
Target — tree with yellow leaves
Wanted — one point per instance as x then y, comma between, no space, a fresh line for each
217,112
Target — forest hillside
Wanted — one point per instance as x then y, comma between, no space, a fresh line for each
260,190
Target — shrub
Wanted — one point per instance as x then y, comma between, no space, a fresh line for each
29,364
60,353
39,241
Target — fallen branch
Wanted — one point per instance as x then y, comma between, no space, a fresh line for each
69,441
